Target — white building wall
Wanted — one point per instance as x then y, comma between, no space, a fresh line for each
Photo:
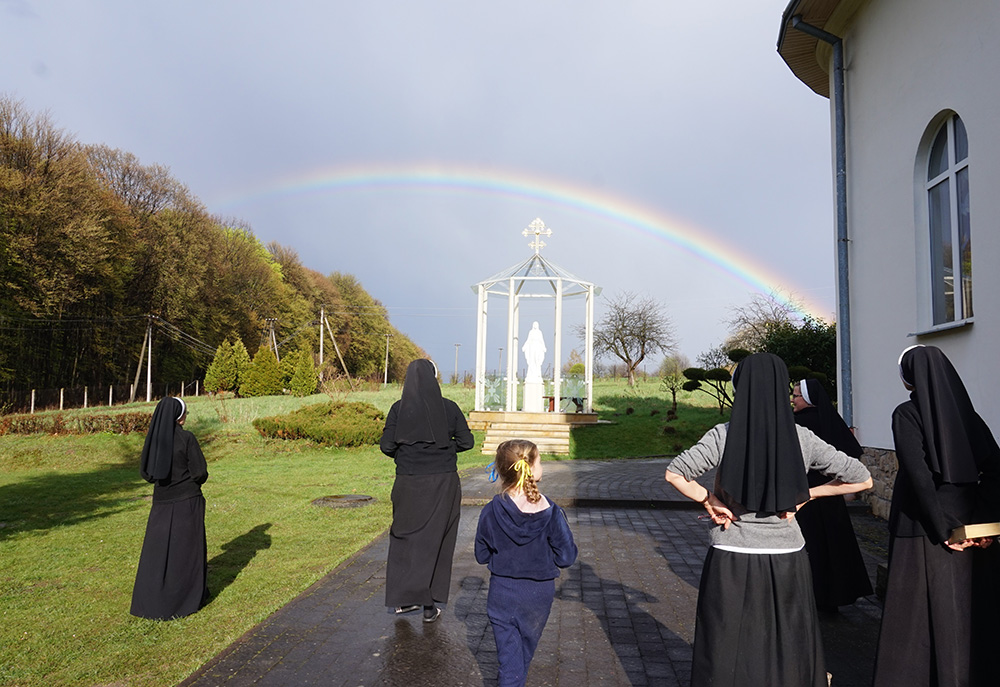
907,61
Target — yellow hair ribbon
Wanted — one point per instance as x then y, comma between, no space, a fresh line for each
524,471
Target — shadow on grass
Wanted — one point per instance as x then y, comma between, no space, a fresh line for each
642,427
56,499
236,554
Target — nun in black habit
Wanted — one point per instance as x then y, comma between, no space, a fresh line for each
423,433
171,579
756,622
939,621
838,570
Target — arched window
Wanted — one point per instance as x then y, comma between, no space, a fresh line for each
947,189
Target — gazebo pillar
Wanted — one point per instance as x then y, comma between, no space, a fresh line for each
588,349
557,348
481,347
511,353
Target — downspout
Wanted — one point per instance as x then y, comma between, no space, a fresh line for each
843,287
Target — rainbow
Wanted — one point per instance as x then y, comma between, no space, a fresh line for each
625,212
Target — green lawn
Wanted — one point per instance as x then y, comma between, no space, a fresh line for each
73,512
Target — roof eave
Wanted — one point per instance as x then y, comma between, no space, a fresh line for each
799,50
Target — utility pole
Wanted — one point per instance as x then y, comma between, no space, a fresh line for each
337,349
456,362
322,317
274,341
500,363
138,368
149,360
385,379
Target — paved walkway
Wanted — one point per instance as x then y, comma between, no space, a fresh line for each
623,615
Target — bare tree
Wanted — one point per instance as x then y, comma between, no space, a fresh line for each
750,324
714,358
633,328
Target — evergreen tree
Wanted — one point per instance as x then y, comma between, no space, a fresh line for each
288,364
304,380
221,374
264,376
241,359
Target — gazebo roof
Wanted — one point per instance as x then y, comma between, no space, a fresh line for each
533,273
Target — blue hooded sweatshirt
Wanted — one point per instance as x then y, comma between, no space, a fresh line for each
524,545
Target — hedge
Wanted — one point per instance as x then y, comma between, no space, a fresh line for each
122,423
332,423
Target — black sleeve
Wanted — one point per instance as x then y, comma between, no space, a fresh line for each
388,443
197,466
460,432
908,435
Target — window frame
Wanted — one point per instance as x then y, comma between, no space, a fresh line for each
927,289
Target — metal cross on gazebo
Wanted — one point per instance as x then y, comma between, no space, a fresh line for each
538,229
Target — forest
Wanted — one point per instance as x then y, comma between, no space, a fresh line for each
95,246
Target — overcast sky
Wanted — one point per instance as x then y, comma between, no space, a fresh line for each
410,143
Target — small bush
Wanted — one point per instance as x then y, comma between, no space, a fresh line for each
332,423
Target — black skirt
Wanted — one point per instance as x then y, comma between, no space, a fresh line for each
926,635
425,514
173,565
838,570
756,622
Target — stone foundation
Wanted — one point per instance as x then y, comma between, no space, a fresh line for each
881,462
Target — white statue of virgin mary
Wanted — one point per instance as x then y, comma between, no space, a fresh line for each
534,353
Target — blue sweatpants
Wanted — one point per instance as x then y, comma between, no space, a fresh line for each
518,610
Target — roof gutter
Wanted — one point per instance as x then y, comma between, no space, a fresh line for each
843,287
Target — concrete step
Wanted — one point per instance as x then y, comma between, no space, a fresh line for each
550,449
515,427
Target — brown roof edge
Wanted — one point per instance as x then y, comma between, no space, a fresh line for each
799,50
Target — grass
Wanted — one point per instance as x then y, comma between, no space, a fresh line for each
73,512
634,422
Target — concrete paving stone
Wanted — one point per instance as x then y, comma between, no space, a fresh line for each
623,614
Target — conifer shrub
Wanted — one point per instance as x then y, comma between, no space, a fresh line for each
304,380
288,363
331,423
264,376
221,374
243,364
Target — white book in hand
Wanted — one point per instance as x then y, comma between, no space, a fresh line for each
984,529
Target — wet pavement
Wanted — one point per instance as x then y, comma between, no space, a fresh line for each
623,614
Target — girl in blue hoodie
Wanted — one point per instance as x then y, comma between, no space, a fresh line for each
524,539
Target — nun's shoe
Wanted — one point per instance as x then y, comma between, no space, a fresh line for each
400,610
431,614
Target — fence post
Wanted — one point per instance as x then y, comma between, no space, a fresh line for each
196,386
32,401
61,398
111,394
85,397
131,390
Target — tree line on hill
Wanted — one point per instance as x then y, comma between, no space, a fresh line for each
92,242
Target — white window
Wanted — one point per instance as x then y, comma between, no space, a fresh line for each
947,191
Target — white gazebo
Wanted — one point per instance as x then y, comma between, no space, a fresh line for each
533,278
